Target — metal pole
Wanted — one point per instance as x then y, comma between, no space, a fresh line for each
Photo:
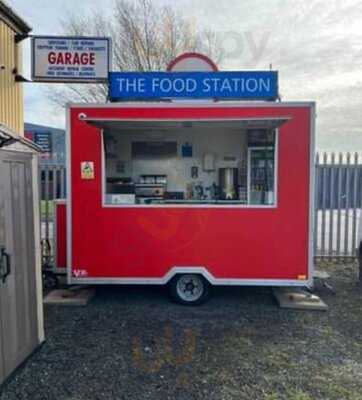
324,205
354,210
346,221
331,206
339,198
316,203
62,182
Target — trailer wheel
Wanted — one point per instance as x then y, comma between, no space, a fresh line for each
189,289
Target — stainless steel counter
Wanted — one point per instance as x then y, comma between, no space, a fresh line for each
197,202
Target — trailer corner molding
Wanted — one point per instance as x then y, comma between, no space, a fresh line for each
251,85
70,59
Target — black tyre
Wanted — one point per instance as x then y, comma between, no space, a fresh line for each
50,280
189,289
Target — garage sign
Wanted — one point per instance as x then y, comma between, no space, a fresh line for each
70,59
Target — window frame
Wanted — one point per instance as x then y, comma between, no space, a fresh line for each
186,205
250,149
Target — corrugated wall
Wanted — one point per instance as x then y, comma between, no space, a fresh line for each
11,92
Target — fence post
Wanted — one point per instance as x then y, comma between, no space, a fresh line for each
347,204
331,252
339,203
316,204
324,203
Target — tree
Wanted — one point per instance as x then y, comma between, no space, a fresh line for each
145,37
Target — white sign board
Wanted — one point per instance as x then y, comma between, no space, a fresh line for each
70,59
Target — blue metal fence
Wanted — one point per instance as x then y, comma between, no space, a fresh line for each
338,202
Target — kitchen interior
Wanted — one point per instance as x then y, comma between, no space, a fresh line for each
189,163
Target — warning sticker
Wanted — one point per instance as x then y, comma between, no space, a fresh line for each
87,169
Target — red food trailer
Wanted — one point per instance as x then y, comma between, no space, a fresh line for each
190,194
190,189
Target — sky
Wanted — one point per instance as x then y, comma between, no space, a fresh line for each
316,46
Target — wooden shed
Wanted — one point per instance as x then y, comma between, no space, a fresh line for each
21,310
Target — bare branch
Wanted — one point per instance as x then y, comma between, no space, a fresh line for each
146,37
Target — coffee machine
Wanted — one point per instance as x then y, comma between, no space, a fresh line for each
228,183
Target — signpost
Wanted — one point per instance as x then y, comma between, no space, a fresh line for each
251,85
70,59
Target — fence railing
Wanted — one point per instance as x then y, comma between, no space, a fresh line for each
338,201
52,187
338,191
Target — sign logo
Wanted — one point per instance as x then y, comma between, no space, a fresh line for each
70,59
192,62
87,169
252,85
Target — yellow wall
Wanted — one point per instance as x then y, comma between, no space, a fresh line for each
11,92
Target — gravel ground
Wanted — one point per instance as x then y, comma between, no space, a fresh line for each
132,343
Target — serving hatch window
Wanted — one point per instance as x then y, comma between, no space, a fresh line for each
190,164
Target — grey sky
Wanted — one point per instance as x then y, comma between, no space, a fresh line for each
315,45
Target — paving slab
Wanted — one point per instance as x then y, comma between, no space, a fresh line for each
69,297
298,299
321,274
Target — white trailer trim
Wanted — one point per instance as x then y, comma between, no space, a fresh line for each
311,194
38,277
198,104
191,270
69,194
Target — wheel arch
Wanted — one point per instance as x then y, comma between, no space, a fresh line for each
189,270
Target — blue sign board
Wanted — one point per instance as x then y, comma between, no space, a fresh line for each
44,141
252,85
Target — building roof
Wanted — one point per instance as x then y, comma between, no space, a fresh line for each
10,17
28,127
8,137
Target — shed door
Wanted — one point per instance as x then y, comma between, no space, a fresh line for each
18,307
